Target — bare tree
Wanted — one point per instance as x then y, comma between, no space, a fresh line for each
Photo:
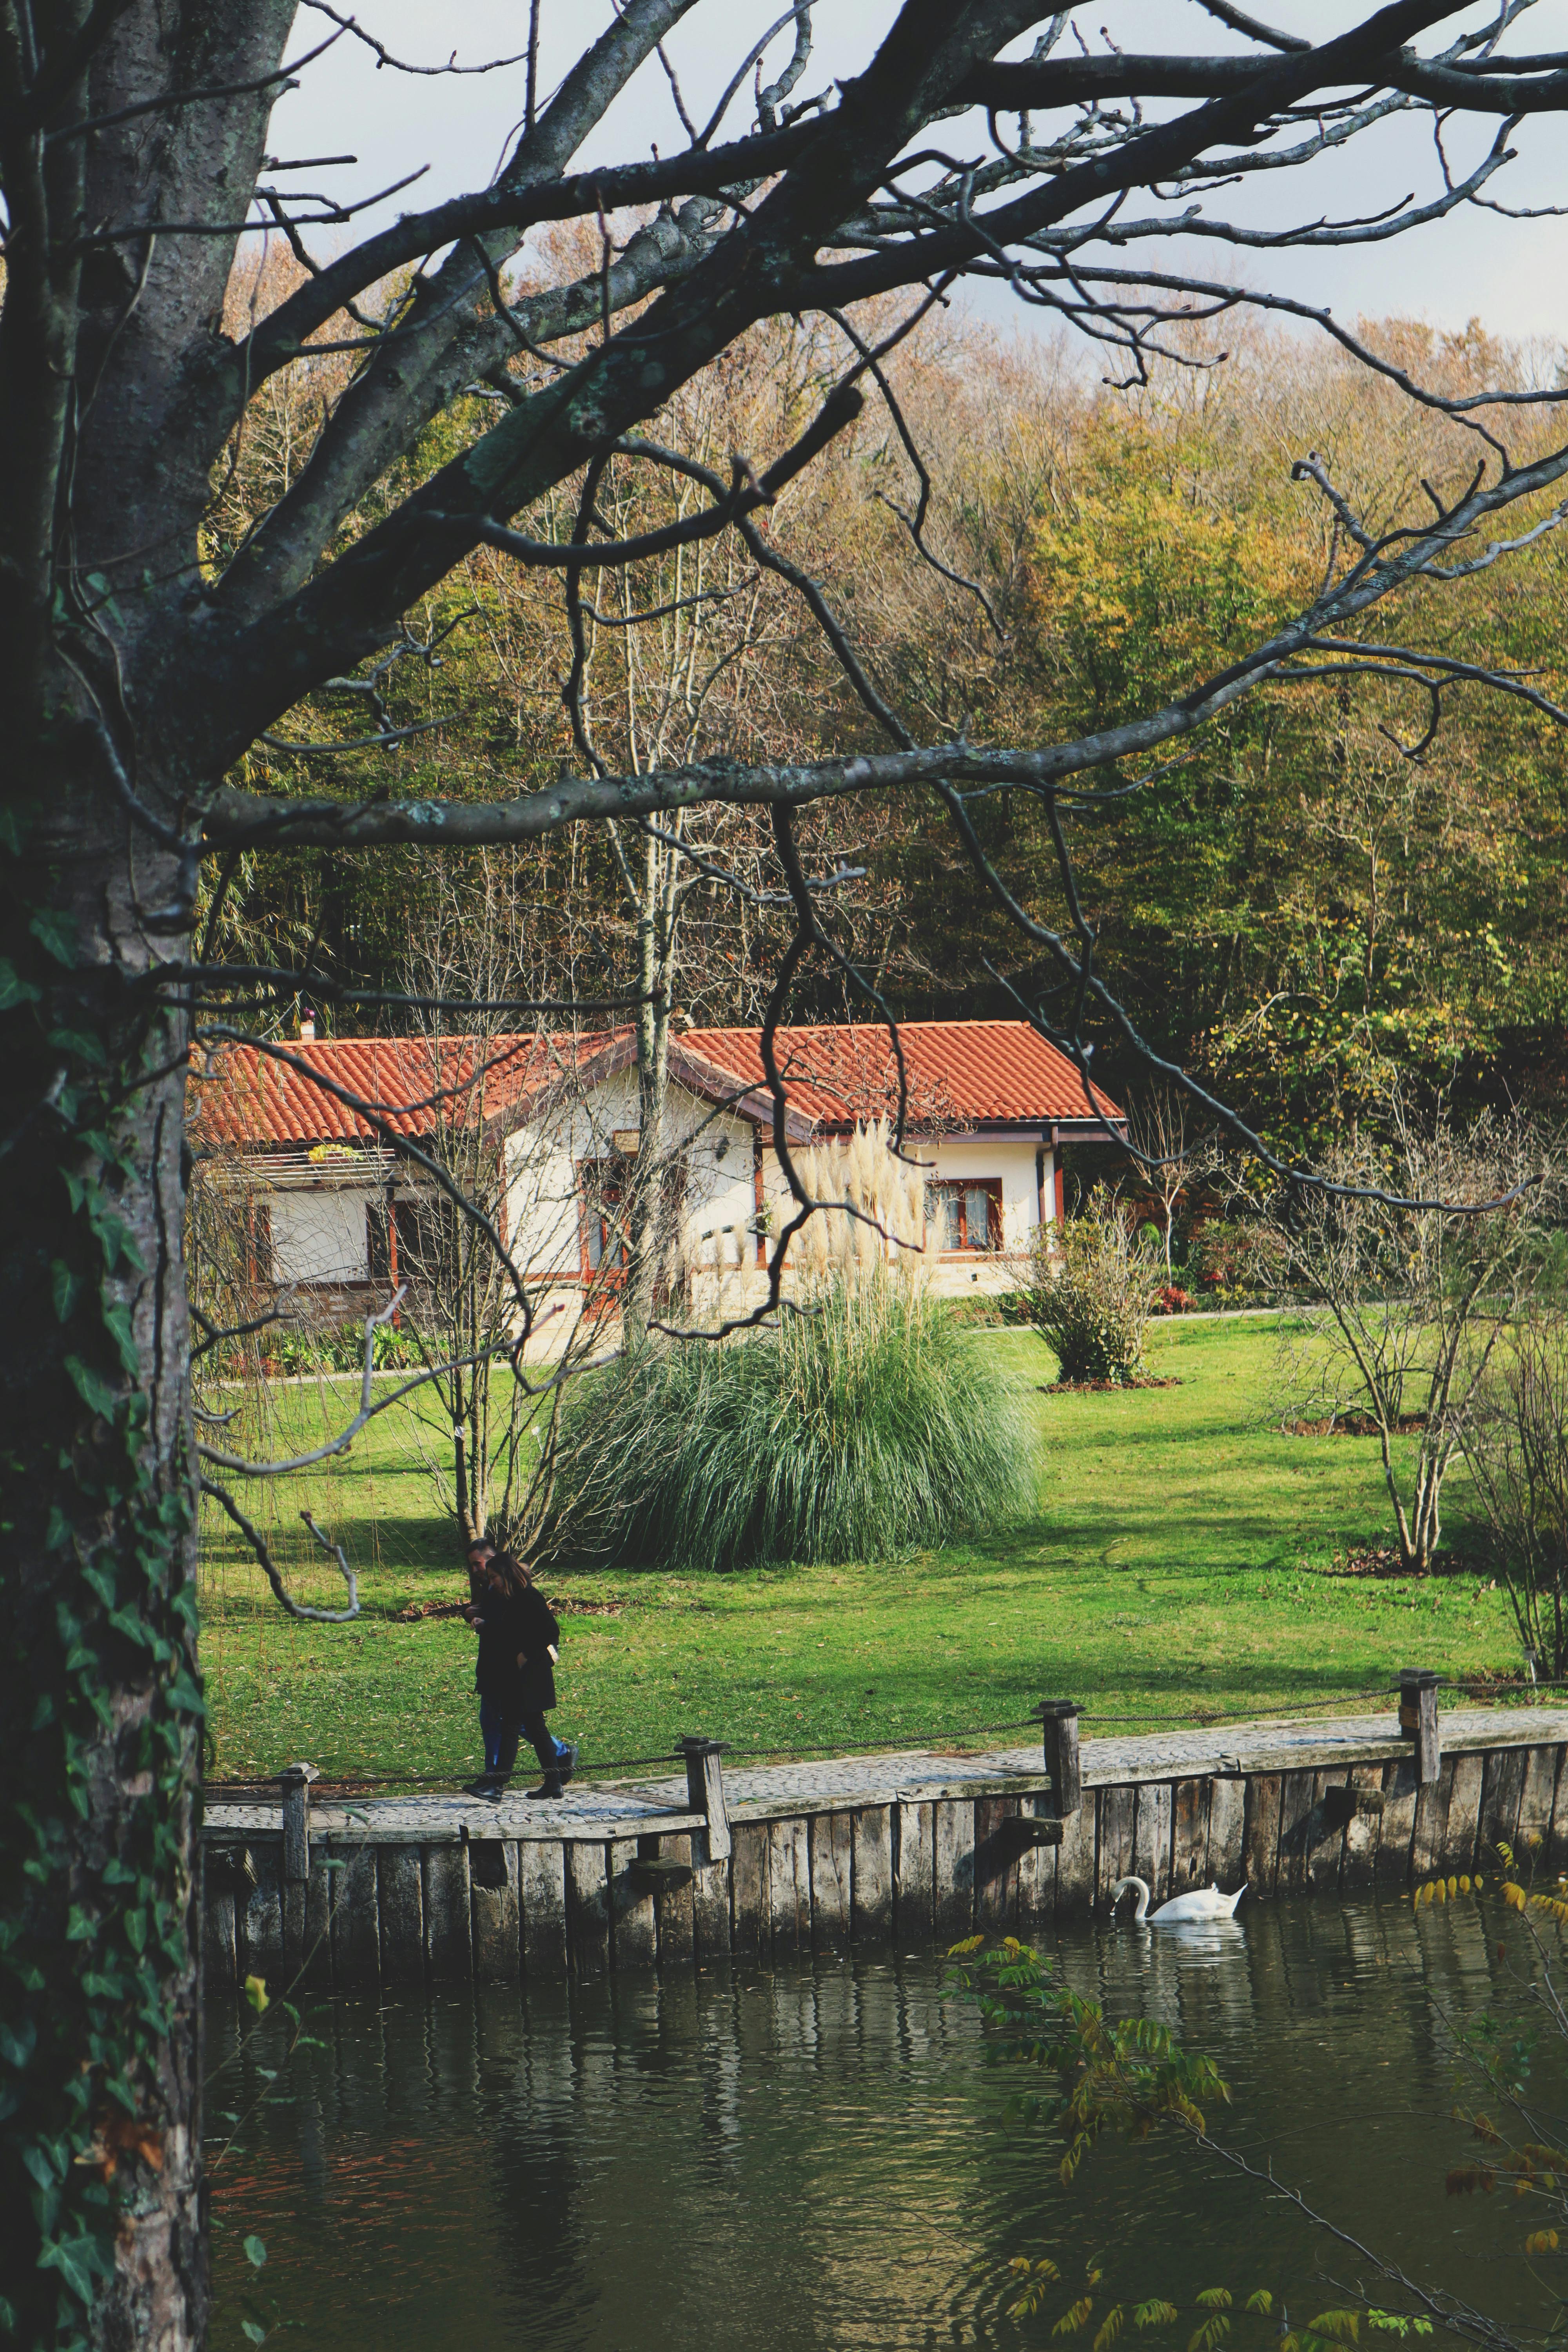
1516,1444
1174,1157
144,656
1411,1293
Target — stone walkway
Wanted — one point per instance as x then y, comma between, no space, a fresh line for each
629,1809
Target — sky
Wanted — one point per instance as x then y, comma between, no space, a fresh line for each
1513,275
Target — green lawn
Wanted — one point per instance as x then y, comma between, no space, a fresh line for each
1175,1564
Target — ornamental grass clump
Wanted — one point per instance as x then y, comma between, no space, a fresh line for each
867,1425
1088,1287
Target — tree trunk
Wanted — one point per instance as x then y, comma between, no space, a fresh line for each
100,2151
655,961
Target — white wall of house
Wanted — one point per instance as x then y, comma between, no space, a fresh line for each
318,1236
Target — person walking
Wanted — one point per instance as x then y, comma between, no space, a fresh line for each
519,1647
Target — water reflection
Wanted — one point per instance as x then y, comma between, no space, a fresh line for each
817,2158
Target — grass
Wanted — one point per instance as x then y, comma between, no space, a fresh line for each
1175,1562
859,1432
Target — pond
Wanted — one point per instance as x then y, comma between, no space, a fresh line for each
819,2159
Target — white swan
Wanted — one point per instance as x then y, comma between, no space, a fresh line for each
1202,1903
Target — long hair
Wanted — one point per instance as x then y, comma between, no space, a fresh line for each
515,1574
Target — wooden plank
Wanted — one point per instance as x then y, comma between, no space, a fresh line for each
321,1893
1074,1860
710,1903
872,1873
634,1935
1557,1836
1296,1831
1151,1822
220,1940
1558,1849
541,1897
832,1877
1535,1810
1228,1831
448,1912
497,1926
996,1867
587,1911
1189,1835
1261,1833
258,1918
952,1866
1036,1871
356,1925
1399,1792
1428,1839
1359,1867
400,1899
750,1920
1464,1814
914,1878
1113,1841
293,1928
674,1907
1326,1848
1500,1792
789,1887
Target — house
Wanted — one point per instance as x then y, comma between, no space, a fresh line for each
336,1211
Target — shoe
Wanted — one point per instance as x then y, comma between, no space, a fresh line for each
567,1759
483,1786
550,1786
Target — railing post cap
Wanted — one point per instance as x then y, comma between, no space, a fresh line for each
1419,1678
295,1774
1056,1709
692,1743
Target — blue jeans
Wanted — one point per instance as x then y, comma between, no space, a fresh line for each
501,1731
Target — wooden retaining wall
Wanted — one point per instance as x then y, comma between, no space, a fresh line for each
918,1869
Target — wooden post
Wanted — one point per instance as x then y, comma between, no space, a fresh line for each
705,1791
1059,1716
1419,1721
295,1780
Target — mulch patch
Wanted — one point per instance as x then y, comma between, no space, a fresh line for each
1383,1559
562,1605
1351,1424
1104,1388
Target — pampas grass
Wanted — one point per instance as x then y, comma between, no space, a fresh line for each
864,1428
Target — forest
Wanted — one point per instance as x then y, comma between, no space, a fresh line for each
1343,883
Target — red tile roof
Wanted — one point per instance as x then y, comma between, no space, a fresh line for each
961,1074
249,1096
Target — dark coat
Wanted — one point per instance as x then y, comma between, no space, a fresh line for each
516,1626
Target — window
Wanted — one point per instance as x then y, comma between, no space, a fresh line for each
605,1212
965,1215
603,1193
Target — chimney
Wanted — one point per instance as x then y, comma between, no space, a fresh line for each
307,1024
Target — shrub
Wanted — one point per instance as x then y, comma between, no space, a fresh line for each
1090,1288
1516,1443
1232,1260
866,1428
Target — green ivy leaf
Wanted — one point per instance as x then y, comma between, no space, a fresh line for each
67,1289
255,2251
185,1694
94,1393
54,931
14,989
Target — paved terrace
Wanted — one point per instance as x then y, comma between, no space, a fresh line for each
593,1812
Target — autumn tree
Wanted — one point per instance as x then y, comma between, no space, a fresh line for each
147,651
